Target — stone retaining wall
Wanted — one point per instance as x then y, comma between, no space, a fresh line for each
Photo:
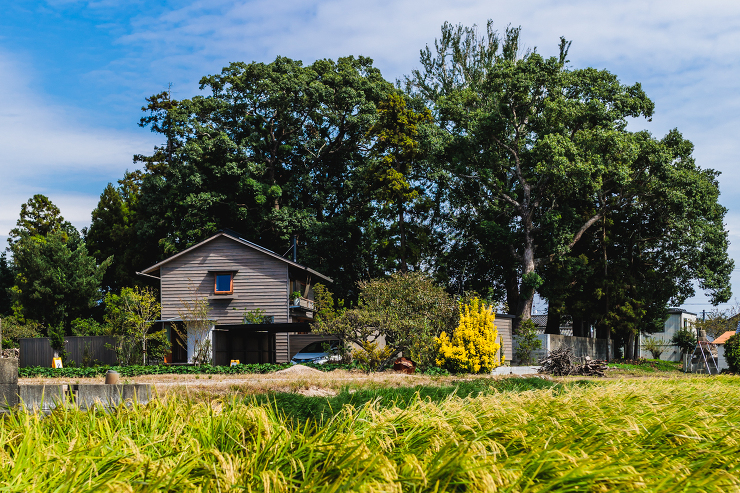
45,397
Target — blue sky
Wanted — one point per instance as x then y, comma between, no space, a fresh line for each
74,73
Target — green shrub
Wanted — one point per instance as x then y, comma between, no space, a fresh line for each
138,370
13,330
88,327
654,346
527,341
685,339
407,310
732,353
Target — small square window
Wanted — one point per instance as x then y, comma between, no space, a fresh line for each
224,284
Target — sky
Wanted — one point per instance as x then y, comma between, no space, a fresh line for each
74,73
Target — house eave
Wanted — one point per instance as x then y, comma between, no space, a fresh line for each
154,268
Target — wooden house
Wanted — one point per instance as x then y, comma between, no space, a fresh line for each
239,279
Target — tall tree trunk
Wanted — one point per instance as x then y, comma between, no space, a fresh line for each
512,292
553,322
630,349
526,292
402,231
636,354
602,331
578,326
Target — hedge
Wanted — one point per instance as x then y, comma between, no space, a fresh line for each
138,370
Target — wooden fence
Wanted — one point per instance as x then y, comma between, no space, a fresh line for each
37,351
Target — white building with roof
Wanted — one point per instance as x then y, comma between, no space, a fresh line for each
678,318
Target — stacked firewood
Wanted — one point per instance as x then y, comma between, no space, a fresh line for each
561,362
10,353
558,362
591,368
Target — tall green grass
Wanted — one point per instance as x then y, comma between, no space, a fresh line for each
299,408
662,436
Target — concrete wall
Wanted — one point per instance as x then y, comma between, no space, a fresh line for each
47,397
721,361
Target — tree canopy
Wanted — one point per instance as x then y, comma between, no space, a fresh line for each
493,169
56,280
541,153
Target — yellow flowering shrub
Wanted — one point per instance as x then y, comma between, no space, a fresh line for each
473,345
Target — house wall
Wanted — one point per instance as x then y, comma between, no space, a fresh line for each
262,282
676,321
299,341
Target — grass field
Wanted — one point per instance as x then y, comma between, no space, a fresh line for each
659,435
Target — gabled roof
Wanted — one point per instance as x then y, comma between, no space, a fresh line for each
723,338
157,266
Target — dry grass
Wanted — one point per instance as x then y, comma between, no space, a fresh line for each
221,385
301,379
650,435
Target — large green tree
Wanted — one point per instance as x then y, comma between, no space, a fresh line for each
273,152
56,280
39,217
6,282
650,253
544,150
112,234
396,181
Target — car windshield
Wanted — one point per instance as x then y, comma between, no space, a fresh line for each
318,346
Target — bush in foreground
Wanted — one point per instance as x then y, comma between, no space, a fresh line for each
138,370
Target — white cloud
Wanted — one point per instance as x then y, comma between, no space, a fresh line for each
40,137
47,148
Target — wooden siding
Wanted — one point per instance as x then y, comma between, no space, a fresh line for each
261,282
281,348
37,351
503,324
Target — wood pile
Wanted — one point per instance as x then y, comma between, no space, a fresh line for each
11,353
561,362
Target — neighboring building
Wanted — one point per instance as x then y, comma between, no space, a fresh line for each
720,345
566,324
237,277
678,318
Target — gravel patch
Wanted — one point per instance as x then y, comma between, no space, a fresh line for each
299,370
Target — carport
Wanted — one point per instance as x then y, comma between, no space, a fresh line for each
250,343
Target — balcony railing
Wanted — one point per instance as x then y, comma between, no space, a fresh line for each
303,303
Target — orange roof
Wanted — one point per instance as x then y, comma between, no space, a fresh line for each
721,339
